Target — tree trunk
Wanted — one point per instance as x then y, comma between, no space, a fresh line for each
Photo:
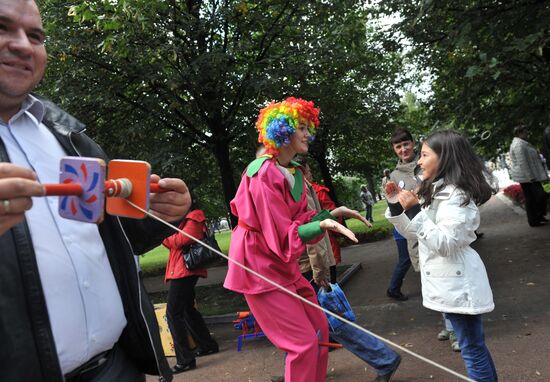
220,150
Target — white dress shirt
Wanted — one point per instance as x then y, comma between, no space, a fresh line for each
83,301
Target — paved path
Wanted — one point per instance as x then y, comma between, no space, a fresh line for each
517,258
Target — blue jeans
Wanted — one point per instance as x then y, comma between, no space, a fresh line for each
401,268
471,338
370,349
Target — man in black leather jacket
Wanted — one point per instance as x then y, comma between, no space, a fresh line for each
29,351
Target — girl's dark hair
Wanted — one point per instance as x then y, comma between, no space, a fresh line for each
458,165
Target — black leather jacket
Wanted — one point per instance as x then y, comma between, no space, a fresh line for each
27,348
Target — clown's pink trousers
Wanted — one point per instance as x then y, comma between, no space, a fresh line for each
292,326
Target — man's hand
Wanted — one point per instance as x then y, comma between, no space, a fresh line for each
332,225
17,186
345,212
322,282
172,204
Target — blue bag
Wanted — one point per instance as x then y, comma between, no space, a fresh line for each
335,300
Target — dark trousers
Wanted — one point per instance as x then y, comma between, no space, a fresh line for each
401,268
535,201
368,214
116,367
185,320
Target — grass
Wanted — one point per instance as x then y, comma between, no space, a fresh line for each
153,262
215,299
381,228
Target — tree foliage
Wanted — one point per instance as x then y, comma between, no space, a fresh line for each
179,83
489,59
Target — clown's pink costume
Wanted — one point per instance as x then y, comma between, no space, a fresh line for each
274,225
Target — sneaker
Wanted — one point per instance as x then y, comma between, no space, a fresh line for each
277,378
396,296
388,377
443,335
454,342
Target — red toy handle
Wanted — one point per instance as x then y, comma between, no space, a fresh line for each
331,345
156,189
63,189
76,189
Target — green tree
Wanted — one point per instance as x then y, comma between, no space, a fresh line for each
489,61
179,83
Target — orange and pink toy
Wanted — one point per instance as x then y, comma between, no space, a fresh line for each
83,188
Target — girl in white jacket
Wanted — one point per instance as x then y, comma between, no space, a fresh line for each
443,218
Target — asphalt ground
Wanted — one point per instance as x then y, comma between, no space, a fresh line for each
517,258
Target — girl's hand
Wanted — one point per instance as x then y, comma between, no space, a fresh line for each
332,225
392,192
345,212
407,199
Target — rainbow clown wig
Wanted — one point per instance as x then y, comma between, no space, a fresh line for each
278,121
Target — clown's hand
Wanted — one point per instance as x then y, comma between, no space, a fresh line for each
334,226
348,213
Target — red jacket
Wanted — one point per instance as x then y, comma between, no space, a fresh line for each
323,196
194,225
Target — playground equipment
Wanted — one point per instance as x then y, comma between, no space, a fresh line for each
248,326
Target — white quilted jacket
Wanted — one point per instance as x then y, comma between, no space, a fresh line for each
454,279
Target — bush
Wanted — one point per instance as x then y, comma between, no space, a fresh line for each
348,188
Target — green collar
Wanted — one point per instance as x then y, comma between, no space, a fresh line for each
256,164
298,188
298,185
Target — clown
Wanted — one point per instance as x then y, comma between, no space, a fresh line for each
274,227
